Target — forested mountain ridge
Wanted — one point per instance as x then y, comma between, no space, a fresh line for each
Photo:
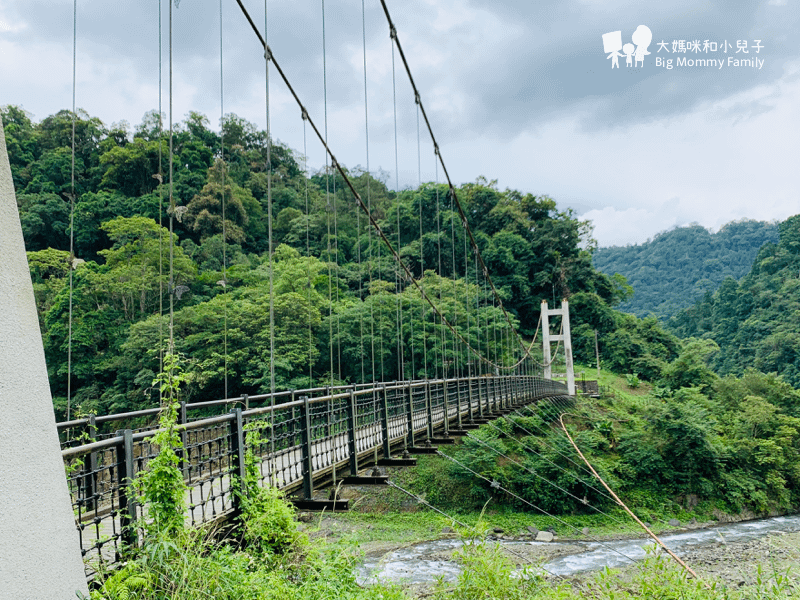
335,285
677,267
756,321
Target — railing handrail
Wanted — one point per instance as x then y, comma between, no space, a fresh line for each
217,419
145,412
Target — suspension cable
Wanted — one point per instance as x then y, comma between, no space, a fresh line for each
535,474
547,460
397,277
72,204
224,232
338,167
160,178
327,171
171,213
496,485
269,224
421,251
462,214
628,510
369,196
308,257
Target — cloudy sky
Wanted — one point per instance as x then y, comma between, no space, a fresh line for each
518,91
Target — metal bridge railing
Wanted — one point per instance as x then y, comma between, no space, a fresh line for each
298,441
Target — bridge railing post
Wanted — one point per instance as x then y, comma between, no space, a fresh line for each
409,396
387,450
351,433
126,496
458,402
499,393
446,406
499,388
90,468
182,451
428,408
238,461
481,392
291,424
470,414
305,448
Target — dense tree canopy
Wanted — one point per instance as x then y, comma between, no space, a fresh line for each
337,289
676,268
755,321
343,311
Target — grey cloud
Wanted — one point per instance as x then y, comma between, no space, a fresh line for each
558,67
546,63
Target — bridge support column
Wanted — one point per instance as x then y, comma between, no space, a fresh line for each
37,524
565,337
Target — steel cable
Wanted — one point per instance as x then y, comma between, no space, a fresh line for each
496,485
72,204
465,526
338,167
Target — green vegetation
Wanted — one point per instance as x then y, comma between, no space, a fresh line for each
322,250
675,438
677,267
732,445
755,322
489,573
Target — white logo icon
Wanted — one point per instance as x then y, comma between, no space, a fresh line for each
612,44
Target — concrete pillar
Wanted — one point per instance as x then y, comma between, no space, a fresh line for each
568,347
39,553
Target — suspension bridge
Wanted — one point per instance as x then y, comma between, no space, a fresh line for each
308,439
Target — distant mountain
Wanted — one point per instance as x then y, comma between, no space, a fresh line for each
677,268
756,321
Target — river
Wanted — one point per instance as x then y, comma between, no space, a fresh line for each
426,561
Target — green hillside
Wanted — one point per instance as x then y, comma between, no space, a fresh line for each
755,322
676,268
336,292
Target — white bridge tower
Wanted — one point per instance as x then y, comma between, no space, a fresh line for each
564,337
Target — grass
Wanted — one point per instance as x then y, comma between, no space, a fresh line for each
489,574
271,559
409,527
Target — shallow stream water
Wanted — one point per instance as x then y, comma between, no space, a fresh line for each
423,562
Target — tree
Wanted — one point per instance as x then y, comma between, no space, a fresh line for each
204,214
137,272
131,168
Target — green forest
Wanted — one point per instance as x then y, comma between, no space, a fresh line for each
678,267
709,418
755,321
336,288
337,294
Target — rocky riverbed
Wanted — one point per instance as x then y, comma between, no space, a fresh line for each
734,554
